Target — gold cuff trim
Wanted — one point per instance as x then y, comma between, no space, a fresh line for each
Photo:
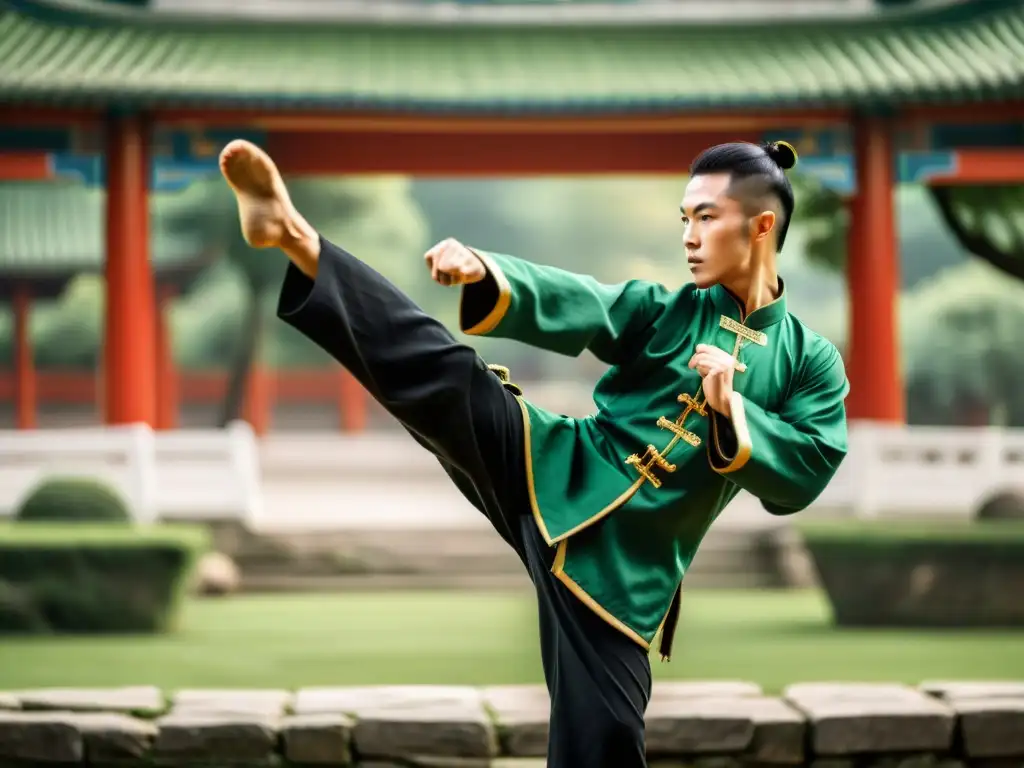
497,314
758,337
532,491
739,426
558,569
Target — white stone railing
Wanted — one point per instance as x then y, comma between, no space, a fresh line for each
123,457
181,475
944,471
310,480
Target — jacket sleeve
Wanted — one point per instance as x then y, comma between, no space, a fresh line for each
786,459
559,311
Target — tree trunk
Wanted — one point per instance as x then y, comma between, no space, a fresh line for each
245,358
975,242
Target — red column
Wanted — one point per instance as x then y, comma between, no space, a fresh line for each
352,402
130,375
24,365
873,279
259,398
166,373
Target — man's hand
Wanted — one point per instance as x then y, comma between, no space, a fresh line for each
452,263
716,367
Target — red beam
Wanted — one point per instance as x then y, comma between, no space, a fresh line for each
490,154
195,387
984,166
965,113
362,122
43,117
24,166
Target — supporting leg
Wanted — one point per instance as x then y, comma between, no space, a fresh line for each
598,679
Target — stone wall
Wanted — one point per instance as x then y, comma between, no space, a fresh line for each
705,724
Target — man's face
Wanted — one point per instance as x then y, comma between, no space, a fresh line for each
717,233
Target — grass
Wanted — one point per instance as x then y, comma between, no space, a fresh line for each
288,641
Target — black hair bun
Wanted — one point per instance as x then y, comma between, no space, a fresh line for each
782,153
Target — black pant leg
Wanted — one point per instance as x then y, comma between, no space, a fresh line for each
599,680
439,389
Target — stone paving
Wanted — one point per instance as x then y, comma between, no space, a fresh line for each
707,724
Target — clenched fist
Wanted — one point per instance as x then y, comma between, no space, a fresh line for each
452,263
716,367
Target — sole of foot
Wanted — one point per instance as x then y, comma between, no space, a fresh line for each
263,204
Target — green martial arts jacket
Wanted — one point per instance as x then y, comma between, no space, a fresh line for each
655,465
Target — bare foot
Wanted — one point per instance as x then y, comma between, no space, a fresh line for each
268,218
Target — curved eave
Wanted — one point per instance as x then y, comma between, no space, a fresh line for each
583,71
79,97
391,14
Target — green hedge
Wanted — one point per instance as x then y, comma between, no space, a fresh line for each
94,578
920,574
73,499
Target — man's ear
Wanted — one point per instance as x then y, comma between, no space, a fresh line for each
763,225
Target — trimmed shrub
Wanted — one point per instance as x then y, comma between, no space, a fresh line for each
920,574
99,578
73,499
1004,505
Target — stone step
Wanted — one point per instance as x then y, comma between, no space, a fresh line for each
337,559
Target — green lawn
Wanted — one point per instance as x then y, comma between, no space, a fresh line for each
772,638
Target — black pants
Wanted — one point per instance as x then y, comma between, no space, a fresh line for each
454,406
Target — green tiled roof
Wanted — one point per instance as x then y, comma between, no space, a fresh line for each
54,229
951,54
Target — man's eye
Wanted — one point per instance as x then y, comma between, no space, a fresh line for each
706,217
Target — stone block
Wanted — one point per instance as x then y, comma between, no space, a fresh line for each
426,730
865,718
309,701
991,728
844,691
324,739
8,701
249,702
40,737
429,762
966,689
216,738
114,738
141,700
522,714
696,726
780,731
703,689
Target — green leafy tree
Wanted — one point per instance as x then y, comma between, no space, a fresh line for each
373,218
987,221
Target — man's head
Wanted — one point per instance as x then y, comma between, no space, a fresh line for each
738,201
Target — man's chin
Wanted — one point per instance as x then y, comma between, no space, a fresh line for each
703,281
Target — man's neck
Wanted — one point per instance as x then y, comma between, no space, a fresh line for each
754,292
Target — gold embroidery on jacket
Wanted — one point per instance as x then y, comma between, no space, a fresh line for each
694,404
758,337
645,464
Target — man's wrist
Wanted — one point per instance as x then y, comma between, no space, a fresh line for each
725,407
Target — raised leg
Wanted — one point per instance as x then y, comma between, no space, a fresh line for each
440,390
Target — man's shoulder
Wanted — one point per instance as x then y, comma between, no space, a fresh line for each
817,354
